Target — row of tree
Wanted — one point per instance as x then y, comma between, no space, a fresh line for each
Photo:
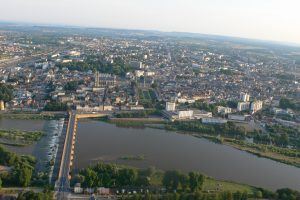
56,106
281,194
174,180
30,195
96,63
191,196
112,176
228,129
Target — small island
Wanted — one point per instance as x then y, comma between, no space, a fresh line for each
133,157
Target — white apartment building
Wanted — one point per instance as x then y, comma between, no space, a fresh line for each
185,114
245,97
224,110
256,106
242,106
170,106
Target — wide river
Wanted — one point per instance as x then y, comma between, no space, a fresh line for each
45,149
99,141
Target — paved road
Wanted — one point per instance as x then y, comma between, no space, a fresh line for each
63,179
63,184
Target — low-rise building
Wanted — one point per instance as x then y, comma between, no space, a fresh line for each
214,121
256,106
224,110
170,106
78,189
103,191
185,114
199,114
242,106
237,117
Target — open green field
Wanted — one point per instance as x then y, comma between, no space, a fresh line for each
211,185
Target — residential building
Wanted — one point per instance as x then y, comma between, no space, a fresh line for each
242,106
256,106
245,97
224,110
170,106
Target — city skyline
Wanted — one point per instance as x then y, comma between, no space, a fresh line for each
274,20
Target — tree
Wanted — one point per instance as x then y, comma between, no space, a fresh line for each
196,181
258,194
90,177
71,86
56,106
225,196
6,92
143,181
286,103
245,195
127,177
171,180
184,181
288,194
237,195
0,183
23,175
30,195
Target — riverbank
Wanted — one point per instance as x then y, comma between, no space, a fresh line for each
32,116
156,180
265,151
283,155
169,150
260,150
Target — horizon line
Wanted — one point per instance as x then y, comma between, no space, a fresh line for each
285,43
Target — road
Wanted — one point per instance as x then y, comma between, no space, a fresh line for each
63,178
63,184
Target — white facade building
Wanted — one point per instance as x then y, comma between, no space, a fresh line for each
170,106
242,106
245,97
199,114
224,110
185,114
256,106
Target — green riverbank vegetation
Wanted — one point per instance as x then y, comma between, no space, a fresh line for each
156,184
18,137
273,145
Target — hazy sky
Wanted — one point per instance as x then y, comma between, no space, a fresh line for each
277,20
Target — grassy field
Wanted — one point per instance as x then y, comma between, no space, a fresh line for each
216,185
211,185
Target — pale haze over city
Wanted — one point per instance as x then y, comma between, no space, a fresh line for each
276,20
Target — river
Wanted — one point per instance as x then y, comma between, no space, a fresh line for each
99,141
45,149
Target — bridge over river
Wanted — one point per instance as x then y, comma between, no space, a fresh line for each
66,154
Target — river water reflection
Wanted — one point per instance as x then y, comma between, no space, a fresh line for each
99,141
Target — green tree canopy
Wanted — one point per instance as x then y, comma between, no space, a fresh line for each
6,92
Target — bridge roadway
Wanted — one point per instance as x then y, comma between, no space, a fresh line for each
62,184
